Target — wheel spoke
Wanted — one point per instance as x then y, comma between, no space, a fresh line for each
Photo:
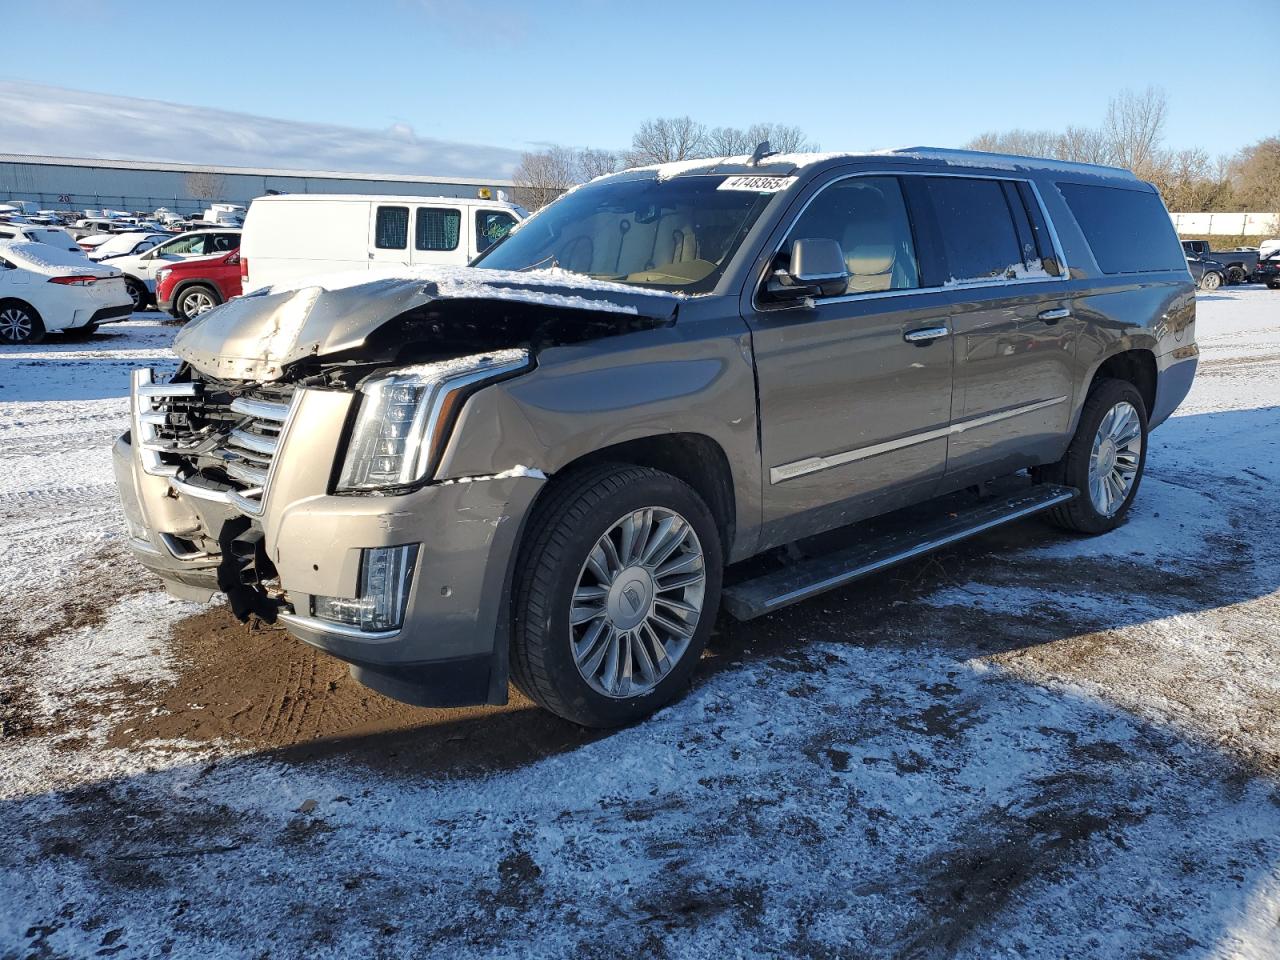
580,615
680,582
679,606
635,533
588,652
682,564
671,536
674,626
657,648
648,671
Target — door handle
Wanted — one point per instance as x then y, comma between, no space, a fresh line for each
1053,316
925,334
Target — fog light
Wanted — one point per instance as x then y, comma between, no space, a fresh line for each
385,576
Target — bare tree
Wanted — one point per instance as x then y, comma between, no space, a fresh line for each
667,139
597,163
543,176
1084,145
1134,128
1256,173
206,186
1021,143
734,141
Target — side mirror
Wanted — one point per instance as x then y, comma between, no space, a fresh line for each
817,269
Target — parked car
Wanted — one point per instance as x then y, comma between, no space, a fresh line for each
188,288
1208,274
124,244
1238,264
297,235
44,289
140,268
1268,271
475,471
90,226
33,233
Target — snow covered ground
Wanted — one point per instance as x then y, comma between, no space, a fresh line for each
1030,746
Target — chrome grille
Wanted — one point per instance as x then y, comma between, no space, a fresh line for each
251,445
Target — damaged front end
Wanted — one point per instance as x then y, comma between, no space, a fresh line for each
292,465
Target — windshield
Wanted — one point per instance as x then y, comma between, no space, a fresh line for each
676,234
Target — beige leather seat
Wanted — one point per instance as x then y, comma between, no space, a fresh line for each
870,247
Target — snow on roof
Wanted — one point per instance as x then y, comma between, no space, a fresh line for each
483,284
51,261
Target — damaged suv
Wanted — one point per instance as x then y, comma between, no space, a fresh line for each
545,467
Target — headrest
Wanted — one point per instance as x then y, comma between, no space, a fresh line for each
867,259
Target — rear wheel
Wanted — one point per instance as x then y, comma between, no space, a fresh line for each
138,293
1104,461
20,323
1211,280
195,300
1236,275
620,587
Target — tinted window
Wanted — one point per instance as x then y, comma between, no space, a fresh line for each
436,229
979,239
491,226
1129,231
391,231
226,242
867,217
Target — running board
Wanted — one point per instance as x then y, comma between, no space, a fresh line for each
900,542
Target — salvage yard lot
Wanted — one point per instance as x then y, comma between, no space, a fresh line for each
1032,745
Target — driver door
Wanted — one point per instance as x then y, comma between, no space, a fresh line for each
854,390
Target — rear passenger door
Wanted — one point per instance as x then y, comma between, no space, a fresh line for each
1013,335
389,234
437,236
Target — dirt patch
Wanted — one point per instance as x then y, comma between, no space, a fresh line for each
260,689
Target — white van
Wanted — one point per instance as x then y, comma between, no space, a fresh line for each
299,235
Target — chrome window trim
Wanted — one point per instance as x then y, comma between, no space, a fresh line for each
1065,273
801,468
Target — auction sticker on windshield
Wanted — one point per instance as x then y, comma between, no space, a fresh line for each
756,184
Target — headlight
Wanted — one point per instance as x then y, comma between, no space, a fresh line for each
162,273
404,418
385,576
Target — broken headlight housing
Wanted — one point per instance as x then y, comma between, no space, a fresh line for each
404,419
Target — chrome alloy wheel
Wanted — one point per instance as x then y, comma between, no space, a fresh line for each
637,602
15,325
1113,464
196,303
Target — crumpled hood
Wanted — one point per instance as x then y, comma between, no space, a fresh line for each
255,337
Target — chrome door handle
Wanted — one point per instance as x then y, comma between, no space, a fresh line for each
925,334
1053,316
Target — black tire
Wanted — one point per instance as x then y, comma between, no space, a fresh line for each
1081,515
81,333
1211,280
1273,285
566,526
139,292
20,323
189,303
1236,275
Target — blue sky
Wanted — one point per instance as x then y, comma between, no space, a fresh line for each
585,72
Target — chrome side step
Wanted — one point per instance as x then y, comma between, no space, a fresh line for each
912,536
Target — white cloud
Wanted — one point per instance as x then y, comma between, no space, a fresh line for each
54,121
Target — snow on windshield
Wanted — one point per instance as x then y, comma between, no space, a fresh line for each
50,260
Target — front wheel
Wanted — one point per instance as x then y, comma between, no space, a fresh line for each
1105,460
194,301
618,591
138,293
1211,281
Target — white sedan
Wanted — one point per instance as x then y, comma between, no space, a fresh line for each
44,289
124,244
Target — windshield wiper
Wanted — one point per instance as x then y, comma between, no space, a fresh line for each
549,261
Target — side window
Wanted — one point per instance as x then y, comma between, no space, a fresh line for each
979,238
194,244
868,218
436,229
224,242
1129,231
492,226
391,231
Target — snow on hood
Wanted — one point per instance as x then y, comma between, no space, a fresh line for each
52,261
254,337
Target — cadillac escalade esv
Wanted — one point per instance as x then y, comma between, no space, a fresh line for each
660,392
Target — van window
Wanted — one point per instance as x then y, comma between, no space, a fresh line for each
979,239
391,231
1129,231
492,226
868,218
437,229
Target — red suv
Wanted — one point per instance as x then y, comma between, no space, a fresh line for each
187,288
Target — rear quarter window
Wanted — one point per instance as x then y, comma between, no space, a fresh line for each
1129,231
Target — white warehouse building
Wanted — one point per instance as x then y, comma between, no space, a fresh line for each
70,183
